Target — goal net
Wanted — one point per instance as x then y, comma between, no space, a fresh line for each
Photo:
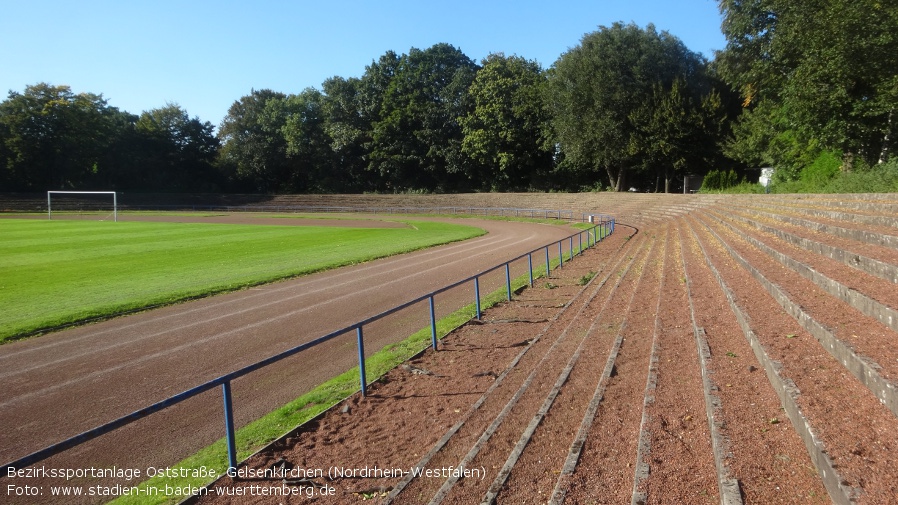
100,205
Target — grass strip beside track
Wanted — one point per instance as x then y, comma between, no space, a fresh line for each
54,273
256,435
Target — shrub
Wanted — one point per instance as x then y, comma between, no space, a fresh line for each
823,169
877,179
717,180
747,188
711,181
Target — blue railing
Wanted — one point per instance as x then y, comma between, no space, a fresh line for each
603,226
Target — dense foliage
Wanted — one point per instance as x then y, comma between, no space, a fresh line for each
628,99
52,138
816,77
506,124
718,179
807,87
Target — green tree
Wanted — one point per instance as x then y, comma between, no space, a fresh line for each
504,128
843,86
54,138
821,71
347,124
416,139
598,92
178,152
763,137
748,63
253,142
308,146
676,130
374,84
8,177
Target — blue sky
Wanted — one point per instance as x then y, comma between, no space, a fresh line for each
204,55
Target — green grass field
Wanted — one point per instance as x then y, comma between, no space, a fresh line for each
59,272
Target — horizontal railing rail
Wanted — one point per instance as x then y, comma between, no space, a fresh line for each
602,227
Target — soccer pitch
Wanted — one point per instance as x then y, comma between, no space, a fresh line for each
58,272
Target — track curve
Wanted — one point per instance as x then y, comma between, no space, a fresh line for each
61,384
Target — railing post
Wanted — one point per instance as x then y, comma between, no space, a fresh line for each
433,325
580,243
229,424
571,247
547,261
477,295
508,281
362,361
560,256
530,267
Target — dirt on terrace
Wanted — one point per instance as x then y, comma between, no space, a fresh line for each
713,350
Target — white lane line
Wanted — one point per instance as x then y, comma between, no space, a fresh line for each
328,282
182,347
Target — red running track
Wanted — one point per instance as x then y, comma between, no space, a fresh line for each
61,384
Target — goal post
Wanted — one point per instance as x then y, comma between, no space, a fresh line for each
113,193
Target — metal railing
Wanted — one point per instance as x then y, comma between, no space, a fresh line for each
602,227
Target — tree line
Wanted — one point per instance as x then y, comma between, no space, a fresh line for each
53,138
818,80
627,107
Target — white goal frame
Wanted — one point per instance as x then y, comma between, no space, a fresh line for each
113,193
